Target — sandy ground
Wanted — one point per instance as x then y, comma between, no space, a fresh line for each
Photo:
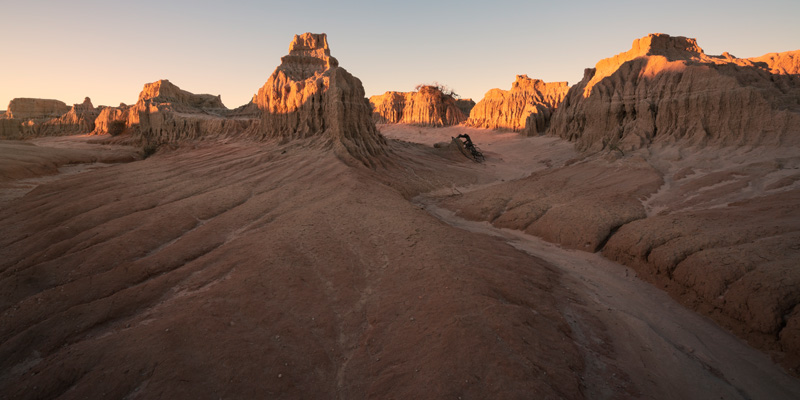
244,270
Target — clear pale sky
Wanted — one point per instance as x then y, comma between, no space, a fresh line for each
108,50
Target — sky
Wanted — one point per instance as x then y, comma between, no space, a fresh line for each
108,49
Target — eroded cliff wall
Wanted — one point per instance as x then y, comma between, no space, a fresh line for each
428,106
526,107
667,90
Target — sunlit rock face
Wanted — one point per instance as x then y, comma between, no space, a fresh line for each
79,119
163,91
107,115
166,113
667,90
526,107
786,63
309,95
428,106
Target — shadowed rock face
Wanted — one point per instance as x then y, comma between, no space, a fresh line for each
527,107
465,105
309,95
427,107
666,89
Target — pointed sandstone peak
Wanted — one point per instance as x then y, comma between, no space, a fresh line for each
310,45
309,95
86,105
309,54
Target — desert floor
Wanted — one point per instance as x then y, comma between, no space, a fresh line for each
246,269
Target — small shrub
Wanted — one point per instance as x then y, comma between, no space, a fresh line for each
116,127
444,89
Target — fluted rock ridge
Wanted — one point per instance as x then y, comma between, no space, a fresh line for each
526,107
309,95
428,106
166,113
666,89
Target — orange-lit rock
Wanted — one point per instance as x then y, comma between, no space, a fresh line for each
786,63
79,119
527,107
309,95
108,115
163,91
428,106
667,90
166,113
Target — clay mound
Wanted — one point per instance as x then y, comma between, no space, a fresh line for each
526,108
310,96
667,90
428,106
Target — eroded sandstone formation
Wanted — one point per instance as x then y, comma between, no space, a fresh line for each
165,113
107,116
43,117
79,119
667,90
309,95
786,63
428,106
526,107
163,91
27,108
